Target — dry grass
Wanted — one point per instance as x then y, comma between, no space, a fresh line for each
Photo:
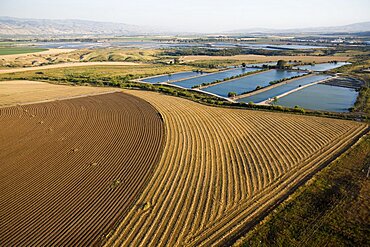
55,56
20,92
93,72
221,167
66,65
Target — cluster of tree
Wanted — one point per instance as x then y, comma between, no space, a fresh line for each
231,94
282,64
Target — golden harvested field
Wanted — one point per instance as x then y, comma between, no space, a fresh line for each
67,65
69,170
57,56
94,72
261,58
222,167
21,92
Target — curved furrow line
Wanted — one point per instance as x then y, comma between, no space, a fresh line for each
219,164
234,218
157,198
111,211
329,149
201,184
191,190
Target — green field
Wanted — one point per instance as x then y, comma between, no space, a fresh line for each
331,210
18,50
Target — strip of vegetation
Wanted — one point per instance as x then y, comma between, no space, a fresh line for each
362,103
356,70
213,64
331,210
228,78
287,79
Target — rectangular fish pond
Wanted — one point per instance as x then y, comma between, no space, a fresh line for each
189,83
321,97
321,66
288,86
249,83
172,77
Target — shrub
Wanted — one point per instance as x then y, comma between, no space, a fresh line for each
231,94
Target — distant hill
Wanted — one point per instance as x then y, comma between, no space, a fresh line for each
352,28
10,26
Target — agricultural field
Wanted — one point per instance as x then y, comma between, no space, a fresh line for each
56,56
71,169
155,125
221,168
83,72
8,59
66,65
331,210
23,92
209,174
19,50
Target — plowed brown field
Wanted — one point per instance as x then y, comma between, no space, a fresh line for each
69,170
222,167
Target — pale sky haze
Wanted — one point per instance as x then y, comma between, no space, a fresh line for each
197,15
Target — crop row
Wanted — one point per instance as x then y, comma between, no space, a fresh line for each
221,167
71,169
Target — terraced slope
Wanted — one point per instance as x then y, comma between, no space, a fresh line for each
222,167
69,170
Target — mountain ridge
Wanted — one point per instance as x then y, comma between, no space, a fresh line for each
350,28
12,26
27,26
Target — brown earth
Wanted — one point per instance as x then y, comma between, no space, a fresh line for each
71,169
221,168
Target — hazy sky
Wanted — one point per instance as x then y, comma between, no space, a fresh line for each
197,15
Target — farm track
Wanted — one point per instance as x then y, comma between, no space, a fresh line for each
222,167
71,169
